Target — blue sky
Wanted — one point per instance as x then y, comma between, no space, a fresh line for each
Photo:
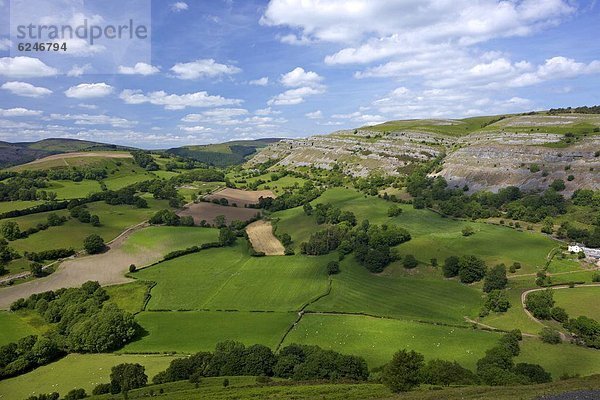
220,70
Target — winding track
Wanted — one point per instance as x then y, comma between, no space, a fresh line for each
108,268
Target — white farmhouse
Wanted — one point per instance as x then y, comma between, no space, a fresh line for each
574,248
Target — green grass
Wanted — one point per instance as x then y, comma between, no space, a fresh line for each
229,279
14,326
245,388
515,317
168,238
194,331
560,359
579,301
72,190
393,294
432,235
113,219
6,206
76,371
130,296
377,339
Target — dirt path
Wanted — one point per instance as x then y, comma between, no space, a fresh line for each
260,234
108,268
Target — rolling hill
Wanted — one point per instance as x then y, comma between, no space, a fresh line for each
223,154
24,152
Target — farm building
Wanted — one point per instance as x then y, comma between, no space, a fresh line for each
574,248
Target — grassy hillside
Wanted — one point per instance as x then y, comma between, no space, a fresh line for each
24,152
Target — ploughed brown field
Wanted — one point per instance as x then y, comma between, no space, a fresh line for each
261,236
209,211
240,197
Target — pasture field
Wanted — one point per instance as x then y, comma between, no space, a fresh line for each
356,290
163,239
129,296
433,236
6,206
73,190
193,331
113,219
230,279
76,371
579,301
75,159
208,212
297,224
559,359
377,339
14,327
246,388
18,265
515,317
260,234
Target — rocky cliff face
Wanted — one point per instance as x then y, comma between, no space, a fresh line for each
527,151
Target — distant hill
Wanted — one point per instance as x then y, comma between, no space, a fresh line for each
24,152
223,154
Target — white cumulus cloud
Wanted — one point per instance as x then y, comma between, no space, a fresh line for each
25,89
89,90
25,67
176,101
204,68
139,69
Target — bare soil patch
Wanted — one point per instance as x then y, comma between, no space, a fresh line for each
209,211
260,234
108,268
241,197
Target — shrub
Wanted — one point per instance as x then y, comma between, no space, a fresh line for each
94,244
497,301
559,314
471,269
403,372
132,268
75,394
124,377
468,231
451,266
549,335
101,388
495,278
540,303
333,267
409,261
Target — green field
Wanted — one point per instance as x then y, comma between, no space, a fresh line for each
433,236
357,290
6,206
14,327
113,219
229,279
130,296
246,388
579,301
560,359
193,331
76,371
168,238
73,190
377,339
